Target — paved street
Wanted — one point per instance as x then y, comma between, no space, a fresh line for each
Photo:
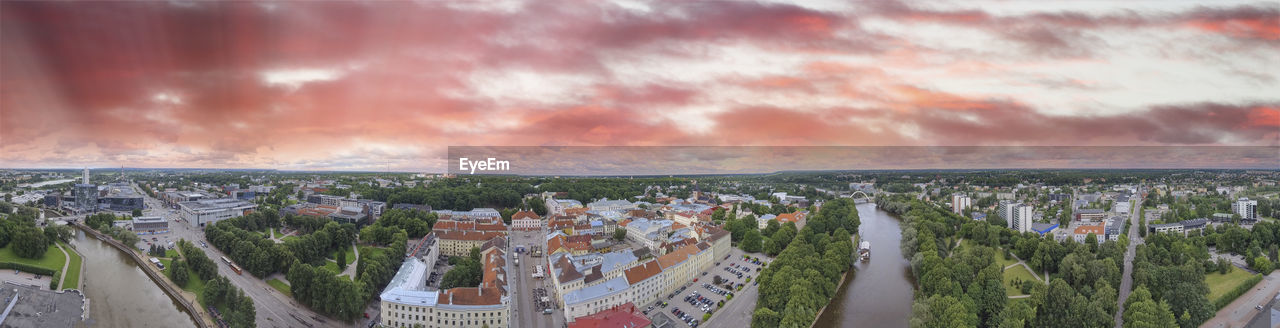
1126,280
273,308
525,313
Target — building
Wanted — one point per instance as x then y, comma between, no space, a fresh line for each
121,197
408,301
647,282
1082,232
649,233
147,225
460,242
1043,228
202,212
172,198
1247,209
86,196
959,202
1194,224
625,315
605,204
798,218
416,207
526,220
1166,227
1121,206
763,221
1114,228
1020,217
1090,214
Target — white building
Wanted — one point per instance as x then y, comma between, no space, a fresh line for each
959,202
526,220
1020,217
1247,209
407,301
203,212
610,205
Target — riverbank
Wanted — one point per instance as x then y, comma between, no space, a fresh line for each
844,280
200,317
879,292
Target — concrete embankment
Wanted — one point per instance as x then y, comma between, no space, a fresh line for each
200,317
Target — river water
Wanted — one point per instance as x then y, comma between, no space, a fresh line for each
879,293
120,294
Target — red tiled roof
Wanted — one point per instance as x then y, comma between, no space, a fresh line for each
524,215
641,272
675,257
625,315
1084,230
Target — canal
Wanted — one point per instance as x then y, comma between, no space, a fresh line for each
879,293
120,294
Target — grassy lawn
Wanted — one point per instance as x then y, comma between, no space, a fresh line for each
280,286
290,237
195,285
52,260
276,233
1003,262
370,250
1220,284
171,253
351,255
72,280
332,267
167,263
1018,272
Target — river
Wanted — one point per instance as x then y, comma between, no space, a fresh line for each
120,294
879,293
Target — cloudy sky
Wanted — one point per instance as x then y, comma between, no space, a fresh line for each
390,84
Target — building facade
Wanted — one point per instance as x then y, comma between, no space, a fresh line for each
203,212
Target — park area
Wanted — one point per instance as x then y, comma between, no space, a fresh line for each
53,261
1015,275
1221,284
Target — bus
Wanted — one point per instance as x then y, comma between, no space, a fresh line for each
232,265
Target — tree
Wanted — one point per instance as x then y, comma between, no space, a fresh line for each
1016,315
29,242
178,272
1262,264
619,234
342,258
137,212
752,242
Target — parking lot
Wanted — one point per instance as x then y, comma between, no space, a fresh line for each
710,291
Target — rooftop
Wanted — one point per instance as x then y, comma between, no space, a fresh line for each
606,288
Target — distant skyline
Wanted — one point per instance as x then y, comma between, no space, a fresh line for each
378,86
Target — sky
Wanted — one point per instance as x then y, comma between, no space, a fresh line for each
390,85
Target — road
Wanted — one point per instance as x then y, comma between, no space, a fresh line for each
525,314
736,312
1240,311
273,308
1126,280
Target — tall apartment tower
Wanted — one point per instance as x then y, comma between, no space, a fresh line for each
1247,209
1005,211
959,202
86,176
1021,221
